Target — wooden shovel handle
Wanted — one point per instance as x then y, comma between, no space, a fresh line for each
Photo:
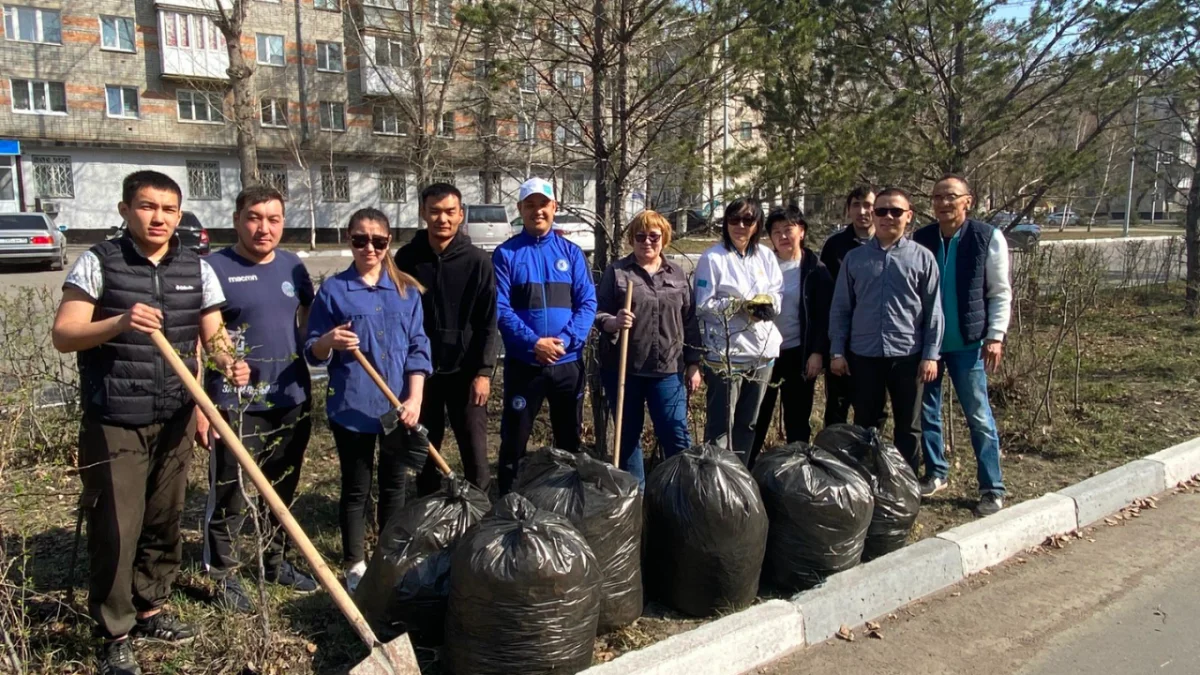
233,441
624,359
387,391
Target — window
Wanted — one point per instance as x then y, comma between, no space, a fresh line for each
116,33
566,33
274,176
199,106
483,69
573,189
122,101
329,57
390,53
530,80
333,116
446,177
524,28
53,177
746,131
270,50
568,133
195,32
204,180
330,5
526,131
393,186
446,125
31,24
401,5
335,184
36,96
569,79
439,69
440,12
387,121
273,112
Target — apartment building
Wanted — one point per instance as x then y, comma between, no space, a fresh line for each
94,89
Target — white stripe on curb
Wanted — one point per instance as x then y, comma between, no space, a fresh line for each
1180,462
1109,492
737,644
989,541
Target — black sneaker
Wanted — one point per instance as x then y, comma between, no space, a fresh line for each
163,626
988,504
232,595
931,485
115,657
289,577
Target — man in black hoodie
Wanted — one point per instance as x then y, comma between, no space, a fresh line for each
460,319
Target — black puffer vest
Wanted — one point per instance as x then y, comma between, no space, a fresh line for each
126,381
970,273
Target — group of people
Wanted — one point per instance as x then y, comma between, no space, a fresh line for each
881,315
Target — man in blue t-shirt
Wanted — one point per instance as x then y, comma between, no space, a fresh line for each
269,294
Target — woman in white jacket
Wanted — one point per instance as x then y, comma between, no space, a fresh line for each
739,291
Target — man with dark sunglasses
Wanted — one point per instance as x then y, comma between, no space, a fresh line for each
976,300
885,326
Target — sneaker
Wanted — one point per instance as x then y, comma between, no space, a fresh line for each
115,657
163,626
988,504
354,575
931,485
233,596
288,576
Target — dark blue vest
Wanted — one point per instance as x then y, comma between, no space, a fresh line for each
970,273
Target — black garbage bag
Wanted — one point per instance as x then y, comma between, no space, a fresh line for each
524,595
819,509
706,532
893,483
603,503
408,580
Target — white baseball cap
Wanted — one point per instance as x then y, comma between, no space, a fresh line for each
535,186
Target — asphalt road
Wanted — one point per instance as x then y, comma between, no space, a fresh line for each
1126,604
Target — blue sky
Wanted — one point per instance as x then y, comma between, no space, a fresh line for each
1016,9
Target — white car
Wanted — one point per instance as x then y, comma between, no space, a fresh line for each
487,225
31,238
569,224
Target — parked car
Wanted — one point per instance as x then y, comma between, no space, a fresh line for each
32,238
1003,219
487,225
569,223
1068,217
1024,237
190,232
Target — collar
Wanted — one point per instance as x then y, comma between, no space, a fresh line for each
354,282
900,243
630,262
172,248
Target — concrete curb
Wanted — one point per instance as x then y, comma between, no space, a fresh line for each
1180,462
1110,491
989,541
734,644
1109,240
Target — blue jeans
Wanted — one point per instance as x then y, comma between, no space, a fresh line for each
970,384
667,398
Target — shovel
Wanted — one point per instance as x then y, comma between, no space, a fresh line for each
393,658
391,419
624,360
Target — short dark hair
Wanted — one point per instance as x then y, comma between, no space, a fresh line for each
148,179
739,206
859,192
894,192
955,176
440,191
790,215
258,194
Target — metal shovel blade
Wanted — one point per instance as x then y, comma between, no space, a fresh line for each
390,421
389,658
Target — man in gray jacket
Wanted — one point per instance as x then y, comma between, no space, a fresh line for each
885,326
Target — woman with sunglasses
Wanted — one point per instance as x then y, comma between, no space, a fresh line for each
376,309
662,367
739,292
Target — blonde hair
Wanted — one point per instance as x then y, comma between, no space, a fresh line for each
644,222
401,280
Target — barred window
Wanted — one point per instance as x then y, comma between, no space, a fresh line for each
444,177
393,186
573,189
53,177
335,184
274,176
204,180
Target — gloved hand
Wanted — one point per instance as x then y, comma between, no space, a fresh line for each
760,308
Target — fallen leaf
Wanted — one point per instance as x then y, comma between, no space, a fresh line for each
845,633
871,625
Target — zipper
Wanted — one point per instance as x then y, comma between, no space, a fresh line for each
545,280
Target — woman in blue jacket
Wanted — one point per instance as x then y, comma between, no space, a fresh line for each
375,308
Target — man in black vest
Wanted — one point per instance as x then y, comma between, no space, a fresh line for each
976,301
135,436
839,391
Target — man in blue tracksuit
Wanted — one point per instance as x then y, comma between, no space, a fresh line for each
545,303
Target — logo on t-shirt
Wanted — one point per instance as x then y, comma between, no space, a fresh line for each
288,289
562,265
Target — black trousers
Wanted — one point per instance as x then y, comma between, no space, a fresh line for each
878,378
277,438
525,388
795,394
839,394
134,482
356,457
448,398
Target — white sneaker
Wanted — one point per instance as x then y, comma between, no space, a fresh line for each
354,575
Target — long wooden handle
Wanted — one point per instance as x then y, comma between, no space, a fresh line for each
621,377
387,391
233,441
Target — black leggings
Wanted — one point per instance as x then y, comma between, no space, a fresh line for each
356,456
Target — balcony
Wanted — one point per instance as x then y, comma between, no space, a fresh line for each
189,42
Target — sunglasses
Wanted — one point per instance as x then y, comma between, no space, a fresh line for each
743,221
361,241
643,237
894,211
